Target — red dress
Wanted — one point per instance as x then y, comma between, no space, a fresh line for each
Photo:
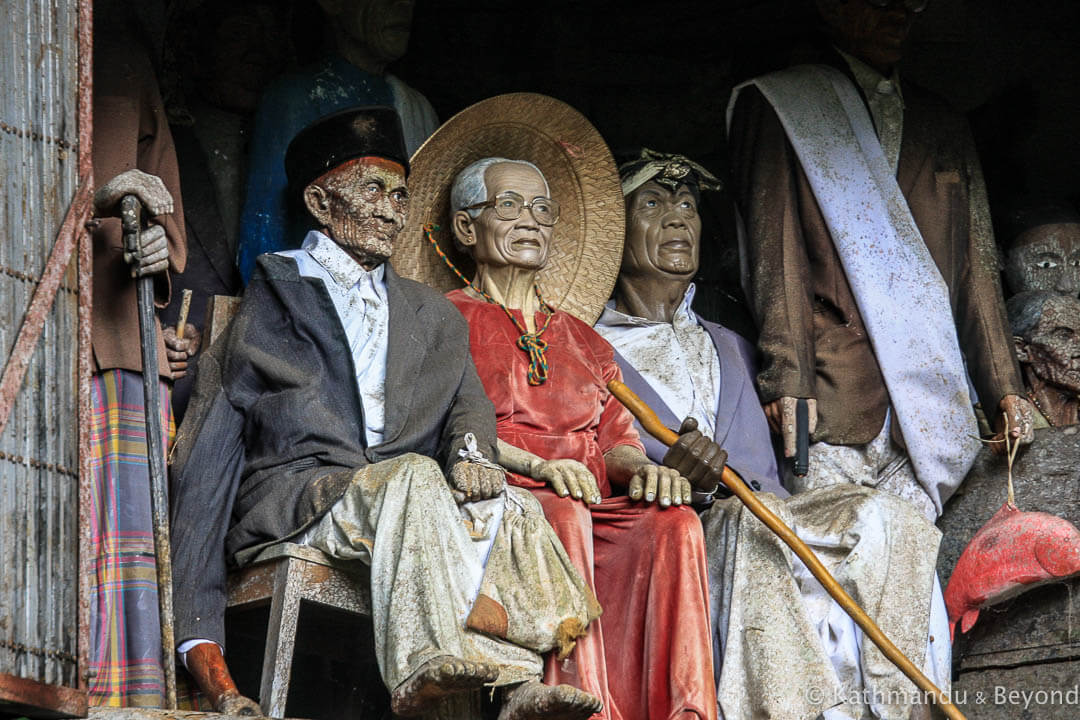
650,655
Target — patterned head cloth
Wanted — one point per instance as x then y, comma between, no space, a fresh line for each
666,169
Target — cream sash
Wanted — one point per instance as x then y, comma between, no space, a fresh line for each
901,295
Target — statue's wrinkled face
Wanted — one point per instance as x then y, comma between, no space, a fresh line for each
1046,257
361,205
1053,351
381,26
875,35
522,242
663,232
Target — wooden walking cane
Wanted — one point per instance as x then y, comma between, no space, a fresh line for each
652,424
130,218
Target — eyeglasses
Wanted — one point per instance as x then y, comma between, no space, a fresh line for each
508,206
915,6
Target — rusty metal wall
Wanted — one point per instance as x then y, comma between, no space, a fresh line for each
39,460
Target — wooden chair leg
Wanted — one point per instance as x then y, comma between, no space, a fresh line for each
280,640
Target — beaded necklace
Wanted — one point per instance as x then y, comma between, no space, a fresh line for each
531,343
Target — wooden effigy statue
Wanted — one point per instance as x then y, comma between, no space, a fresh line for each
1046,332
873,278
1044,252
528,191
774,627
342,410
366,36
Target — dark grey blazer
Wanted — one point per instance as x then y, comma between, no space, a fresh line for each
275,428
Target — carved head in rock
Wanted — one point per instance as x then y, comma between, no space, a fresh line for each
872,30
380,27
504,214
1045,252
350,169
1046,330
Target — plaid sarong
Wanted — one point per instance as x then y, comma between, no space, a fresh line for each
125,635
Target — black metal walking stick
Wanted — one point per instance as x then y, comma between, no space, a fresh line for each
131,220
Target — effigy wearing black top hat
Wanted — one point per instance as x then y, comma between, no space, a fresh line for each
332,140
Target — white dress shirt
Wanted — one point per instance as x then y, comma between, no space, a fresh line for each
677,359
359,297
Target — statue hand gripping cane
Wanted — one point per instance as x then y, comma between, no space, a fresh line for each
692,455
146,249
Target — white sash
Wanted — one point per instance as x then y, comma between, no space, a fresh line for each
901,295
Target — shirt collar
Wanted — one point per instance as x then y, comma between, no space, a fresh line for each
870,80
345,271
683,314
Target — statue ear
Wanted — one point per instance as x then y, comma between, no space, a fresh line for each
1021,347
464,231
317,201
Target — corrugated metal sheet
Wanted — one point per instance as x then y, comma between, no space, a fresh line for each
39,461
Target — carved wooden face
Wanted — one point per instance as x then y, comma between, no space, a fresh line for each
1046,257
381,26
521,242
1053,350
875,35
362,206
663,232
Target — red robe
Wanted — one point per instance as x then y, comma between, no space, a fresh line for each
650,656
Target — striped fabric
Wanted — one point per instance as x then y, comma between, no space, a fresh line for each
125,644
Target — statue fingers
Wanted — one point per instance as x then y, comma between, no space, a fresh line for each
496,482
686,490
636,488
572,484
555,477
787,425
688,425
652,480
153,240
589,485
703,475
153,269
663,493
680,455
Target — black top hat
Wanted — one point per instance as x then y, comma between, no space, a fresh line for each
334,139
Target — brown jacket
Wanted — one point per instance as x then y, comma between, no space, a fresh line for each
130,131
812,339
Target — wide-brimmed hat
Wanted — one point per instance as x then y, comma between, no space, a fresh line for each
587,240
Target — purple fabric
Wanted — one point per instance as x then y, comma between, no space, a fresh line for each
741,428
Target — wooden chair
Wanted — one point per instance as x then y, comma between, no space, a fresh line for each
285,574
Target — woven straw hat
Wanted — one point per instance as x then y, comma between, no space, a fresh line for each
587,242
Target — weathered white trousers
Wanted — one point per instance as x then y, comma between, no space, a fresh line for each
431,560
783,647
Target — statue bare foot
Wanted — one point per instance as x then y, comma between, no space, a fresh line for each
534,700
233,703
437,678
207,665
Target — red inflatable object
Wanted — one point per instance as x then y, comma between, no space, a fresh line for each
1014,552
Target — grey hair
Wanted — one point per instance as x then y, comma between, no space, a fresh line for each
1025,310
469,187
